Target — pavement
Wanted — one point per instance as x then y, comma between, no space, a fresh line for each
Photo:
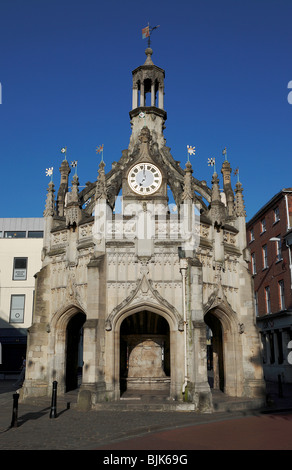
142,430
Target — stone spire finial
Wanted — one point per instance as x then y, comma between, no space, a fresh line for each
50,201
215,189
226,172
73,197
239,201
100,192
72,208
149,53
63,189
217,207
188,193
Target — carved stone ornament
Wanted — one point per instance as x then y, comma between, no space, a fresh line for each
144,293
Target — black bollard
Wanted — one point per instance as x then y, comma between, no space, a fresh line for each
15,410
53,413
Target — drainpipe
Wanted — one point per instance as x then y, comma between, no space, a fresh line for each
287,213
183,270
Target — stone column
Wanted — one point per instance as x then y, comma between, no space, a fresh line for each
153,94
142,94
161,97
37,368
198,386
93,381
135,97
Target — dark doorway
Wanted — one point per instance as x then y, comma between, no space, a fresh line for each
215,360
74,353
144,352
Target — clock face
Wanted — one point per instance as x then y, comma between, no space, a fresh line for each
144,178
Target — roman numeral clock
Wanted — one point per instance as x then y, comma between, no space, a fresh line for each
144,178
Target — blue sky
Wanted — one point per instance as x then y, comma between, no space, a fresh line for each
66,77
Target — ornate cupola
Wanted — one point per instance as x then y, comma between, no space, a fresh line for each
148,100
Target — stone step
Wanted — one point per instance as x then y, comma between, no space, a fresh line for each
221,403
144,406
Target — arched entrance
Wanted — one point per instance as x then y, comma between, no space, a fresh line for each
225,351
144,353
215,360
74,351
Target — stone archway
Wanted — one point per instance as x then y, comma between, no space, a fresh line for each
114,340
225,351
215,353
65,347
74,351
144,353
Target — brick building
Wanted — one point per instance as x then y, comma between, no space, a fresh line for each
269,237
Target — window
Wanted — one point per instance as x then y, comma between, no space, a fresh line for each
279,248
251,233
17,308
268,299
276,215
263,225
265,257
253,264
35,234
20,269
281,295
15,234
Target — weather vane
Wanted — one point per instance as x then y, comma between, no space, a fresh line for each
191,151
64,150
211,162
100,150
236,172
146,33
49,172
74,165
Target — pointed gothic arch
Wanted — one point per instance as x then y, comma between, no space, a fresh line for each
226,348
65,337
175,344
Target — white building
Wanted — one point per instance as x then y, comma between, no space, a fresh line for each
21,241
